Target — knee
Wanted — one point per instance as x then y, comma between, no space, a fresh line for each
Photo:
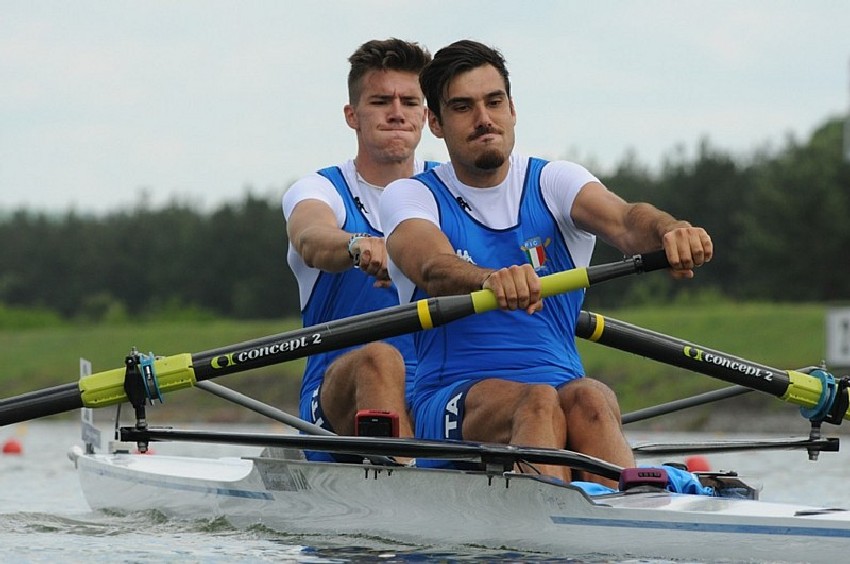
379,353
539,399
379,361
590,395
374,362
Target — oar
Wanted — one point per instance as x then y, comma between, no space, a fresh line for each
184,370
819,395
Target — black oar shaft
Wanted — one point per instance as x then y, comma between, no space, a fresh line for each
676,352
819,395
397,320
40,403
636,265
331,336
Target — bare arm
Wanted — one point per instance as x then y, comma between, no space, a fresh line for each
427,258
641,227
314,235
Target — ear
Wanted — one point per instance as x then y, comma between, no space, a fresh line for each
434,125
351,117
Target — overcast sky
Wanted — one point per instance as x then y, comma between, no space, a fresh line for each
101,101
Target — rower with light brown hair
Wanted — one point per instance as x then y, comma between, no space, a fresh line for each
336,246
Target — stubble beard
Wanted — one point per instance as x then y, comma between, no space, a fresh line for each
489,160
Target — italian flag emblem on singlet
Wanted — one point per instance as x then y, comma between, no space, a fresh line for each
535,252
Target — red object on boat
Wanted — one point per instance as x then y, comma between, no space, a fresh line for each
697,464
12,446
375,423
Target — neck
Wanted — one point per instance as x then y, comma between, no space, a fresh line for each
381,174
482,178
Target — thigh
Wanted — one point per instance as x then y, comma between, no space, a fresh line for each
368,374
339,377
583,394
491,406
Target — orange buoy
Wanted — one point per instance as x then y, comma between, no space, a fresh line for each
697,464
12,446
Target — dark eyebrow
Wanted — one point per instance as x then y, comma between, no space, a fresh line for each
459,99
468,99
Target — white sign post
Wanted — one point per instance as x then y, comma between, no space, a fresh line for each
90,433
838,337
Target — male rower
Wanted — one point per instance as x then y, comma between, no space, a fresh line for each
336,246
491,218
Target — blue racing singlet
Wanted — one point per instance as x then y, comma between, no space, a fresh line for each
342,294
511,345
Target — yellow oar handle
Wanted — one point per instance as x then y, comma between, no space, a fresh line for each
558,283
578,278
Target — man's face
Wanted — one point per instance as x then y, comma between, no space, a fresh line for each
478,120
389,115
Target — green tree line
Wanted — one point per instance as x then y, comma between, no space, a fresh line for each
150,263
778,219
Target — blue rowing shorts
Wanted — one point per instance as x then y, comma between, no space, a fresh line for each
439,416
317,416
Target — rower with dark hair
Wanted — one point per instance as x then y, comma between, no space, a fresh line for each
491,218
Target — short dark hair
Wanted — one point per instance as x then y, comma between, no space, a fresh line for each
384,54
452,60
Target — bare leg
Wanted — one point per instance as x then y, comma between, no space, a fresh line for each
522,414
593,424
371,377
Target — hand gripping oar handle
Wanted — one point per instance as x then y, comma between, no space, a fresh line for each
817,394
184,370
577,278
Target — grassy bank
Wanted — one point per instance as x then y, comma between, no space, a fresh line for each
779,335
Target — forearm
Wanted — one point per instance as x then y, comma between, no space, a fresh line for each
644,227
641,227
324,248
425,256
446,274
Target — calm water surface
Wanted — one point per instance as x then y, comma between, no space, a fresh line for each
44,517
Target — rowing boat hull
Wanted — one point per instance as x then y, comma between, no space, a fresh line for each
455,508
